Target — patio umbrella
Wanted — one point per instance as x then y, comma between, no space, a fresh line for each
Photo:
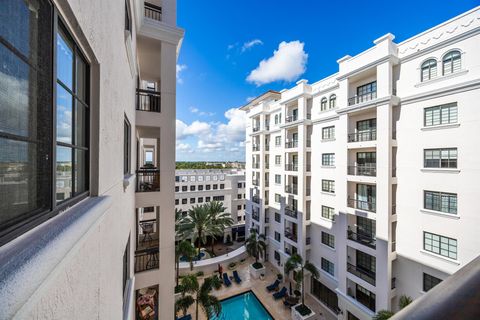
290,288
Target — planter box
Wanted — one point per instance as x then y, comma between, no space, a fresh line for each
298,316
255,273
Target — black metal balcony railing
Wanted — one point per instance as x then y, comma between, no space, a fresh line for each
267,165
290,235
368,170
256,165
291,167
256,199
362,204
365,239
291,212
293,189
148,180
362,98
148,100
291,144
146,259
255,182
267,184
256,147
149,236
309,143
267,127
256,216
308,240
153,12
291,118
256,129
364,135
267,147
366,275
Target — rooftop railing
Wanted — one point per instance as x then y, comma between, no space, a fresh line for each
148,100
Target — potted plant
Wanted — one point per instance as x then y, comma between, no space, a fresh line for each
232,266
295,263
256,247
279,276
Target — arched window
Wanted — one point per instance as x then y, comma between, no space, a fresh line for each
323,104
429,69
452,62
333,101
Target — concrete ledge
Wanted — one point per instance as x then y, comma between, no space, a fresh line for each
26,262
211,265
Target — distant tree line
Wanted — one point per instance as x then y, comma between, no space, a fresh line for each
202,165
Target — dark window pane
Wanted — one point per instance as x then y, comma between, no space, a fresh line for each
81,161
64,115
64,60
64,173
18,23
81,116
81,79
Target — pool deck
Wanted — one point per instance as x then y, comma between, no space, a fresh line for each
274,307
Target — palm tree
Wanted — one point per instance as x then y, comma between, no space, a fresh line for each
209,303
255,245
220,220
197,225
183,303
178,221
295,263
404,301
186,249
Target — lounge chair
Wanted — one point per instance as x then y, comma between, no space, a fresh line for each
186,317
273,286
236,276
226,281
280,294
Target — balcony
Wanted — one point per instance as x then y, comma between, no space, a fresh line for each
267,127
362,204
308,168
148,180
267,147
256,129
256,216
152,11
309,116
267,165
362,98
256,147
291,212
255,182
364,135
292,189
291,118
368,170
291,144
146,259
366,275
309,143
256,165
290,235
148,100
256,199
291,167
366,240
147,234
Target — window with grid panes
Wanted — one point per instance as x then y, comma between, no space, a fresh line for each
328,133
440,158
440,201
328,159
328,239
441,245
429,282
328,212
328,186
438,115
328,266
452,62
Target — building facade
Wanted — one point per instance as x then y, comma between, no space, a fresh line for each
370,173
87,158
196,187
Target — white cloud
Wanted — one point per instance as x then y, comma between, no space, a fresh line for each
194,110
201,113
250,44
250,99
234,129
287,63
180,68
184,147
195,128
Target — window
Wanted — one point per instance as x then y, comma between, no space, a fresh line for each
28,136
126,146
278,160
328,266
328,212
278,141
184,188
444,114
452,62
325,295
207,199
440,158
276,119
366,90
278,179
192,200
200,199
328,186
184,201
126,266
239,185
239,196
218,198
207,187
429,282
328,133
333,101
177,188
200,188
215,186
192,188
222,186
177,178
239,207
323,104
429,70
365,297
441,245
277,236
277,198
440,201
128,19
328,239
177,202
328,159
276,255
277,217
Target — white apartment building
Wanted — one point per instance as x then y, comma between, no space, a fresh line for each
371,173
87,158
198,186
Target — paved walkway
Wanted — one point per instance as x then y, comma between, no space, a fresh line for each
275,307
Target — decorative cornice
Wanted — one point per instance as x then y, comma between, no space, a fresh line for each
161,31
388,57
323,91
326,119
394,100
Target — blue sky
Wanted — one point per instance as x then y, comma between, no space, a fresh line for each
226,40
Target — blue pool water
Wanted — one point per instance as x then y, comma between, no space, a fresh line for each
243,307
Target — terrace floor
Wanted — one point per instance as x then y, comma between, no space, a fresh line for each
275,307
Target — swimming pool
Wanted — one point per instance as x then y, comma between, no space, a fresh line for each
245,306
